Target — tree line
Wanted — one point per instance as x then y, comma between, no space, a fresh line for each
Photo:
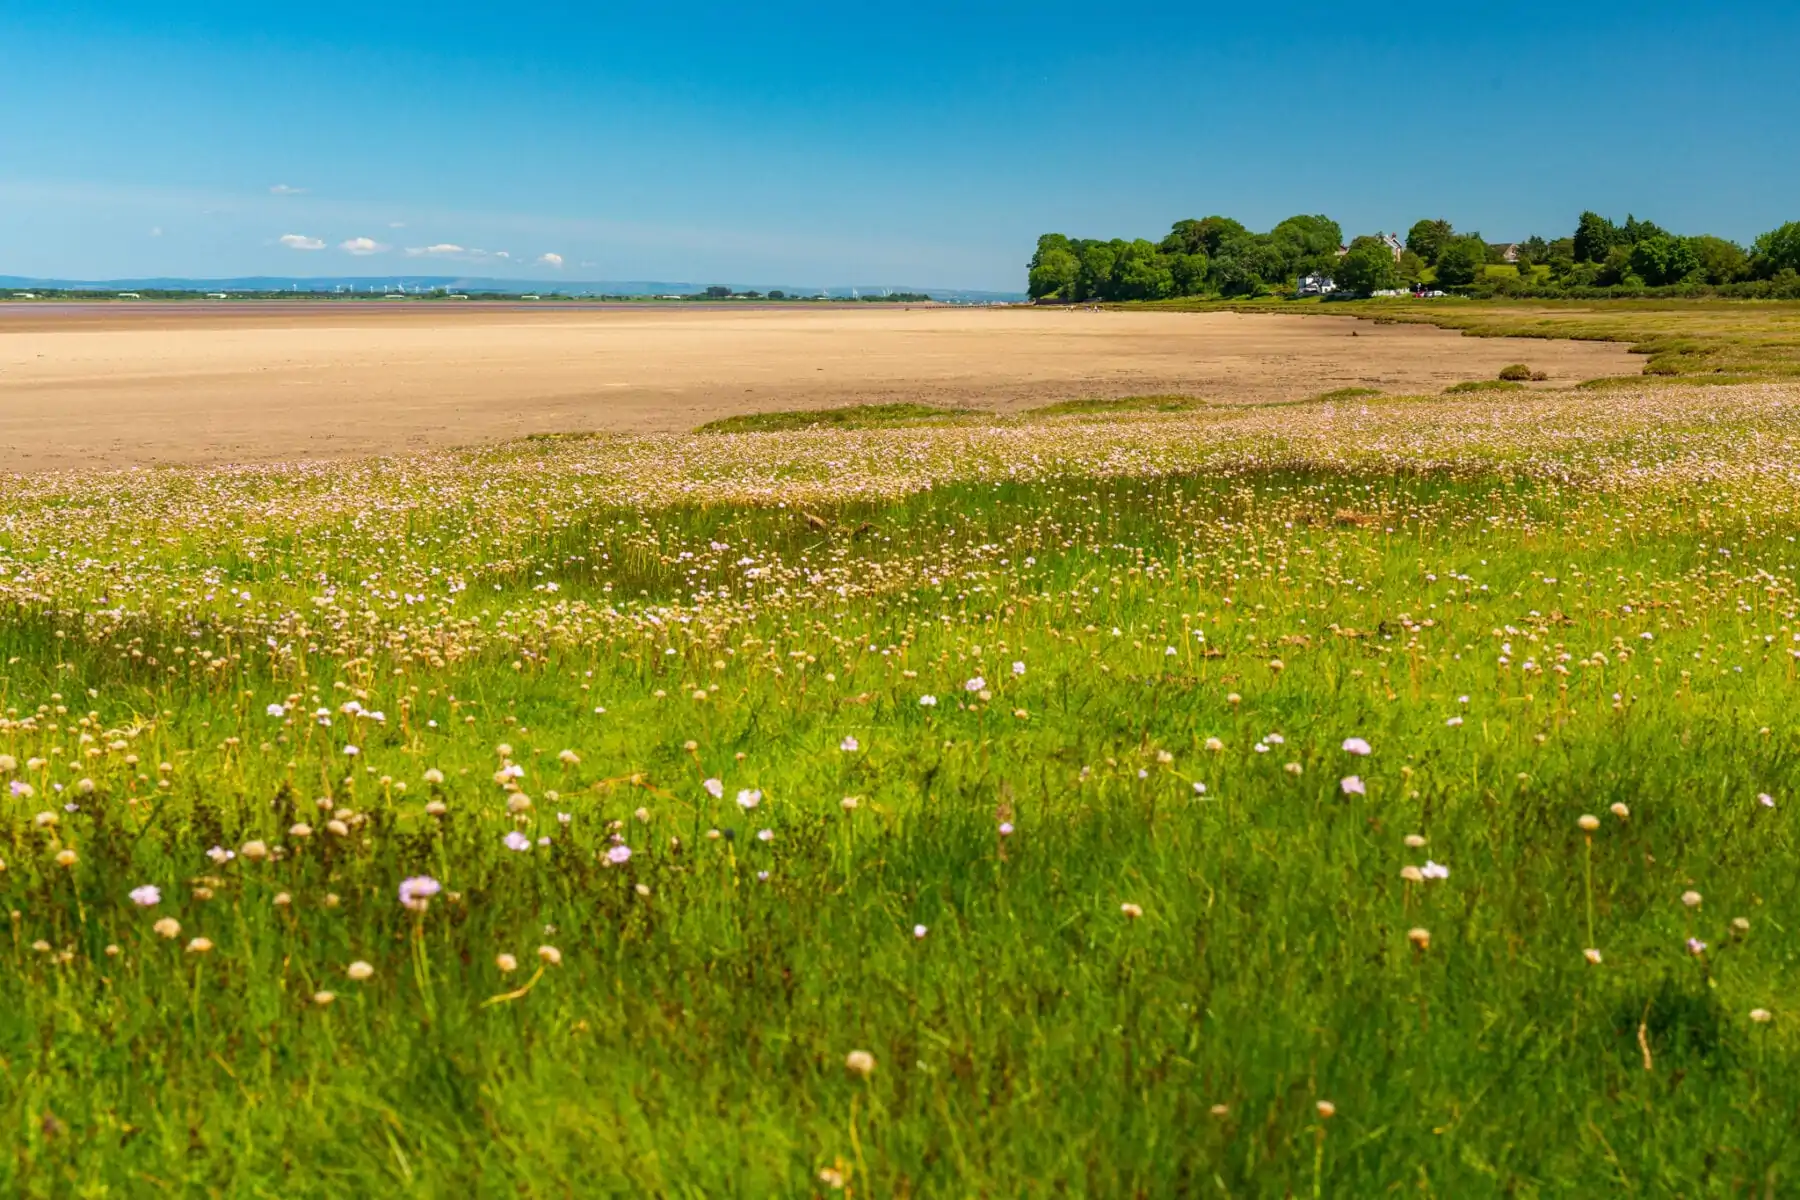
1219,257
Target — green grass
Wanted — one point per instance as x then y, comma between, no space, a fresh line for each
1125,404
854,416
1690,339
1345,393
1483,385
1165,910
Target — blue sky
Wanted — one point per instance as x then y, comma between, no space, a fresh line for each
841,143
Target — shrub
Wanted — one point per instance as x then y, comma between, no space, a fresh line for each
1517,371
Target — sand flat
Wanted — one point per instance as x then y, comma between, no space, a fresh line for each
113,385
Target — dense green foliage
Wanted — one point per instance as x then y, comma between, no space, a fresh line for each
1218,257
1348,799
1367,266
1214,256
1461,260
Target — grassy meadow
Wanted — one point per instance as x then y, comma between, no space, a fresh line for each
1683,341
1346,798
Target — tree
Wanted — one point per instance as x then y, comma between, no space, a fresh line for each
1615,268
1776,251
1054,269
1244,263
1189,272
1411,266
717,293
1368,266
1663,260
1635,231
1304,245
1141,273
777,294
1720,261
1184,238
1427,238
1461,261
1212,232
1095,281
1594,236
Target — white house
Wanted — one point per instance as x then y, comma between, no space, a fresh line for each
1315,285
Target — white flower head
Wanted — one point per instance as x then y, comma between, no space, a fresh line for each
416,892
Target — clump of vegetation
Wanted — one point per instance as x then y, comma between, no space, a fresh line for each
854,416
1483,385
1123,404
944,809
1347,393
1517,371
1218,257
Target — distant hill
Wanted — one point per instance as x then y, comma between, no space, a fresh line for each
476,284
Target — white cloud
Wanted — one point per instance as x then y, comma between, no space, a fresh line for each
156,231
362,247
282,189
396,224
550,260
452,250
299,241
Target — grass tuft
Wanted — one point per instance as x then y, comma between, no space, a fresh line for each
1346,393
854,416
1096,406
1483,385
